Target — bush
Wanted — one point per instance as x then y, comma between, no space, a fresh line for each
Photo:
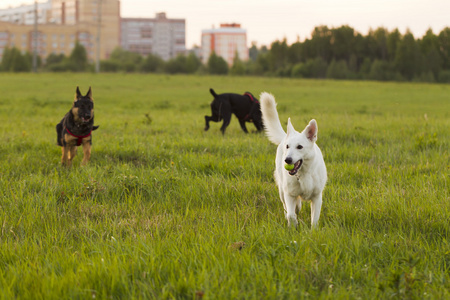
176,65
54,59
109,66
381,70
299,71
338,70
444,76
425,77
217,65
57,67
193,63
312,68
238,67
152,63
14,61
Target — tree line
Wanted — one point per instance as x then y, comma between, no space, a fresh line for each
336,53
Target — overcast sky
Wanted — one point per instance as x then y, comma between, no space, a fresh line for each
270,20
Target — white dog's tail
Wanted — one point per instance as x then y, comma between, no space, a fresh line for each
272,125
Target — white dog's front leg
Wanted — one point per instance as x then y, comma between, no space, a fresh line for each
283,201
316,205
291,204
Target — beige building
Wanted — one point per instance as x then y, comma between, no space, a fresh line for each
225,41
68,21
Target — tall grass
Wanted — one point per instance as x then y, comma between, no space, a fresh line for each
166,210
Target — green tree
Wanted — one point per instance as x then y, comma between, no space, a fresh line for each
253,52
381,70
381,37
392,42
54,59
353,63
320,43
295,53
78,60
109,66
14,61
261,65
312,68
176,65
342,43
152,63
364,69
369,46
407,58
317,67
278,56
444,76
444,47
337,69
127,61
238,67
299,71
193,63
359,54
432,61
6,60
217,65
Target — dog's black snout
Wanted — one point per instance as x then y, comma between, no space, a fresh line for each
288,160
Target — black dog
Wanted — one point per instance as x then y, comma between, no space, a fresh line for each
245,107
76,127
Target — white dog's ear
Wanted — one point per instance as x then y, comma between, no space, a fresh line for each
311,131
290,128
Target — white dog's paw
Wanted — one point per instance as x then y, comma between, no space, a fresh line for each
292,220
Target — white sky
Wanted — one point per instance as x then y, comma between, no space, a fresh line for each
269,20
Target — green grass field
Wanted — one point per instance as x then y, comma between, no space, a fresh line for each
165,210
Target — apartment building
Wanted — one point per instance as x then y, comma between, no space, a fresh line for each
225,41
24,14
62,23
50,38
160,36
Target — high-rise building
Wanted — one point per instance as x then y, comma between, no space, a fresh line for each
50,38
160,36
66,21
63,22
226,41
24,14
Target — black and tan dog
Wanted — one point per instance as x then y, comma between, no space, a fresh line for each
76,127
245,107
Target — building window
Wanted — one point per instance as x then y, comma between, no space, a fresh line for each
146,33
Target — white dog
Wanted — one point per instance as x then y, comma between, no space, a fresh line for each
307,179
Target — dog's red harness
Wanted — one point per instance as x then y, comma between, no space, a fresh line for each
251,97
79,137
252,100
